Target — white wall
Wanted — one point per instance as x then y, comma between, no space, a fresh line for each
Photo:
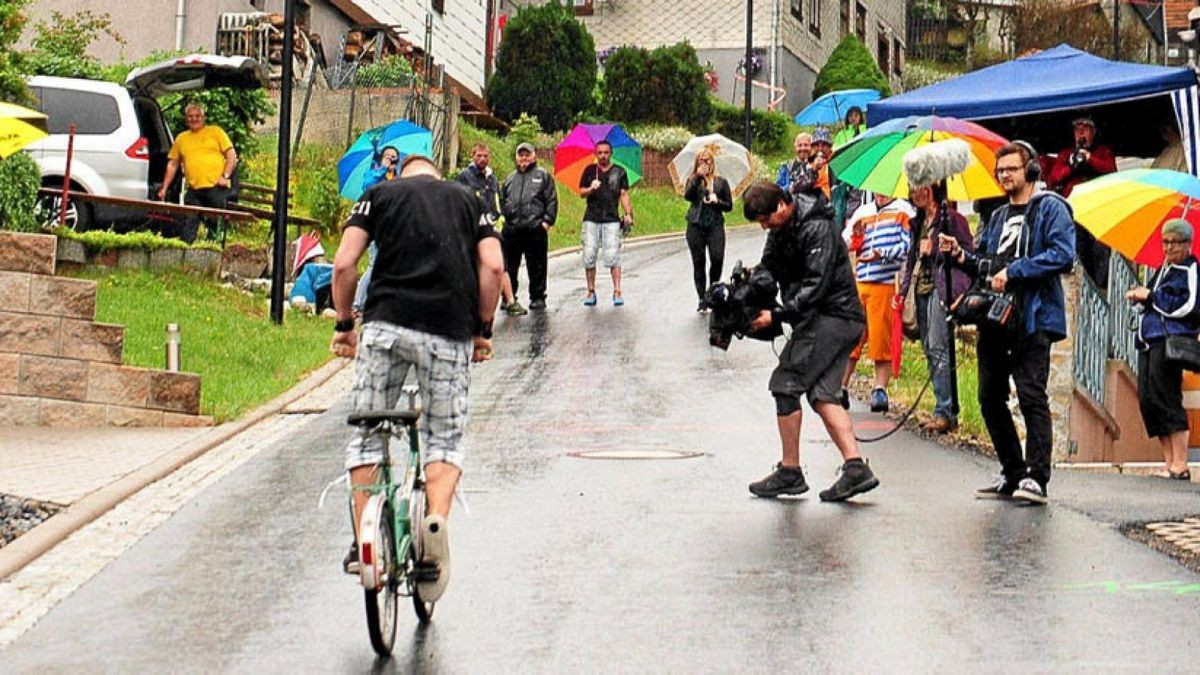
459,35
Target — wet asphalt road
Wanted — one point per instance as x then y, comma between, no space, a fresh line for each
618,565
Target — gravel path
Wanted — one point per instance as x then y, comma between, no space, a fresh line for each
19,515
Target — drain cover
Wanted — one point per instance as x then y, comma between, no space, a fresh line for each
635,454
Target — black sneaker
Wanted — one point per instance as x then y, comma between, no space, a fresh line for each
846,399
784,480
856,479
1000,488
1030,492
537,305
350,562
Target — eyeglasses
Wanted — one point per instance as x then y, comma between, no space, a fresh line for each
1007,169
1176,242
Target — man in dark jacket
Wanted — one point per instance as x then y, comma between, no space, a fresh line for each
529,203
1025,247
482,180
807,258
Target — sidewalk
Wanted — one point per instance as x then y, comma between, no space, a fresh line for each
89,471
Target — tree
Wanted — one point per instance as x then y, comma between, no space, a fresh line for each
664,86
851,66
60,45
1041,24
13,69
546,66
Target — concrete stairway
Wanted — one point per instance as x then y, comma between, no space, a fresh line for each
59,367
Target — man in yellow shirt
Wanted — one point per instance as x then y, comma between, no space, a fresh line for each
208,160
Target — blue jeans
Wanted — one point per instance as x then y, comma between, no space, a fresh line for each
935,341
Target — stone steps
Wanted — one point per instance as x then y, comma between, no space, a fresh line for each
59,367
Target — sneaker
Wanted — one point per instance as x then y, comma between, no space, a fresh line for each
350,562
879,400
1000,488
618,300
856,479
846,399
435,543
941,425
590,300
515,309
537,305
1031,492
702,307
784,480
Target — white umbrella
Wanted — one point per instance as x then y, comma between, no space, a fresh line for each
732,160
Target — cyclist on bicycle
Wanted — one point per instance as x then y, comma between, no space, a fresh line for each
430,306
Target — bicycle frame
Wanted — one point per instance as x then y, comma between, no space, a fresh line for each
397,495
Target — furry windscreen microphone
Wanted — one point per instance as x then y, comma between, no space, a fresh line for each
936,161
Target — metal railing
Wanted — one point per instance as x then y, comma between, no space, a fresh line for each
1121,277
1092,338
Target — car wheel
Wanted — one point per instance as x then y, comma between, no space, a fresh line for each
78,217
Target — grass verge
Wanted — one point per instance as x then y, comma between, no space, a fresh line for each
243,359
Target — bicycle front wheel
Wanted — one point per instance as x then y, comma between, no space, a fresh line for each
416,512
381,596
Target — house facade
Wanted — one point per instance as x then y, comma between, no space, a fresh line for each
794,38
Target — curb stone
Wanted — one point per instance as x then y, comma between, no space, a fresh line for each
28,547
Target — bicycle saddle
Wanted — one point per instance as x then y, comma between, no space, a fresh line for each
373,417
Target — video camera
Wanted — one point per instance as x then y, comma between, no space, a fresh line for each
1077,158
980,304
735,304
804,179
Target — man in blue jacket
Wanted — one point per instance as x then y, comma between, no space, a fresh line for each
1028,243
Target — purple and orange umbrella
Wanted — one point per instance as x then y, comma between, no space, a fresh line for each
578,150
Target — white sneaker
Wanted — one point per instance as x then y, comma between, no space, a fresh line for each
1028,490
436,544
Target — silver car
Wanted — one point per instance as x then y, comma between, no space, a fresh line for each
121,138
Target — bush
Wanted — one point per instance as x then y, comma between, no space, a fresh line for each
919,74
661,139
850,66
664,86
546,66
390,71
60,46
13,68
526,129
768,130
315,185
20,179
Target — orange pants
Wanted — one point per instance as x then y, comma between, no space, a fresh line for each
877,303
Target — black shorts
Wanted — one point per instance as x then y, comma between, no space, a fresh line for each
815,359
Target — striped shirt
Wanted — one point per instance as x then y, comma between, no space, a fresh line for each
886,231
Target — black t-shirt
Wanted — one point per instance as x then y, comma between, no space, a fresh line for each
602,204
1011,239
426,276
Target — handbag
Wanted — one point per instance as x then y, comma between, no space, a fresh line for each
1184,352
908,317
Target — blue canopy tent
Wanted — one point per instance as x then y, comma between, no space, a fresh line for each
1127,100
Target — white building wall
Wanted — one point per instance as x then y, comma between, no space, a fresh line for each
459,35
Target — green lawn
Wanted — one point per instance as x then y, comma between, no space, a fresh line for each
243,359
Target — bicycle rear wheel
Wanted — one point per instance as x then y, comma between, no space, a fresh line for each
379,574
416,512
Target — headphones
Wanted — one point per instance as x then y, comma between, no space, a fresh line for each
1033,169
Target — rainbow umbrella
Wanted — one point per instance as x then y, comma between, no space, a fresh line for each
578,150
19,127
1126,210
874,160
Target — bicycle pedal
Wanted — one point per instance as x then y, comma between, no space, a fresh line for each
426,572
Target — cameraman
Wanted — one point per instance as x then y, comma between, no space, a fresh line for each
1082,162
1021,252
805,254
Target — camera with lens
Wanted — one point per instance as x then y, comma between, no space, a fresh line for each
804,179
735,305
1077,157
981,305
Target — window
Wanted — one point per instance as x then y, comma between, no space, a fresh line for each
797,9
92,113
438,6
814,17
885,50
584,7
860,22
897,56
844,19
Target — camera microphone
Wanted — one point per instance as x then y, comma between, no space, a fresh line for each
936,162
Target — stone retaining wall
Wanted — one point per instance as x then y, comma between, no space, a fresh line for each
59,367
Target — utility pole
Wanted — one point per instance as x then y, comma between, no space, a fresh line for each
746,70
279,260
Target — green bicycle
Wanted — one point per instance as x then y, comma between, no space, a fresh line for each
389,543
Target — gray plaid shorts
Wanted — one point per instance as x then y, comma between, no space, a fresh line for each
386,355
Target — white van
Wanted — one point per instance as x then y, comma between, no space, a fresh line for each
121,138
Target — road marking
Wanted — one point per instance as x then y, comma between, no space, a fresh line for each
1115,587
